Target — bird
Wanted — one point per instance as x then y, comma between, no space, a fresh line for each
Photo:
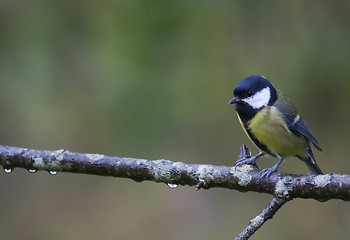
273,124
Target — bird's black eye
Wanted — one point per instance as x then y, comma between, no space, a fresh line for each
249,93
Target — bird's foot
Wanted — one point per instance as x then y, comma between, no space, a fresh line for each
247,160
267,172
246,157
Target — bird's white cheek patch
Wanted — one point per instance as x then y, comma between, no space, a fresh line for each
259,99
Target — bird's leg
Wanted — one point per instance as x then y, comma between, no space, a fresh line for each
267,171
248,160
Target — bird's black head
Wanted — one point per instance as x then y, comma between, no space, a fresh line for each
252,94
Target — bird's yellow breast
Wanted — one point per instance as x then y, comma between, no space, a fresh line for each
271,130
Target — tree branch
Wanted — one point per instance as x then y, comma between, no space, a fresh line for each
259,220
284,187
244,178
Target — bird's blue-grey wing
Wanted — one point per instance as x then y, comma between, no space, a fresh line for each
297,125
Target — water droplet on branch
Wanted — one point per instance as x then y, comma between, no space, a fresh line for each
172,185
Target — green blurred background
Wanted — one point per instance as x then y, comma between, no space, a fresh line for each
151,79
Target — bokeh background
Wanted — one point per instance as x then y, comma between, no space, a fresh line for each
151,79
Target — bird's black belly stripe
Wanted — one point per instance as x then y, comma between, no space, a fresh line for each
260,145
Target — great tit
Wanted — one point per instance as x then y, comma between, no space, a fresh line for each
273,124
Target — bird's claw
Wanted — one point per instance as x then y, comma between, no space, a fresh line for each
265,173
246,157
268,171
246,160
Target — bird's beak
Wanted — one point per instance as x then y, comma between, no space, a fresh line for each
234,100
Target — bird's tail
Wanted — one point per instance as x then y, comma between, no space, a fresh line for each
310,162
